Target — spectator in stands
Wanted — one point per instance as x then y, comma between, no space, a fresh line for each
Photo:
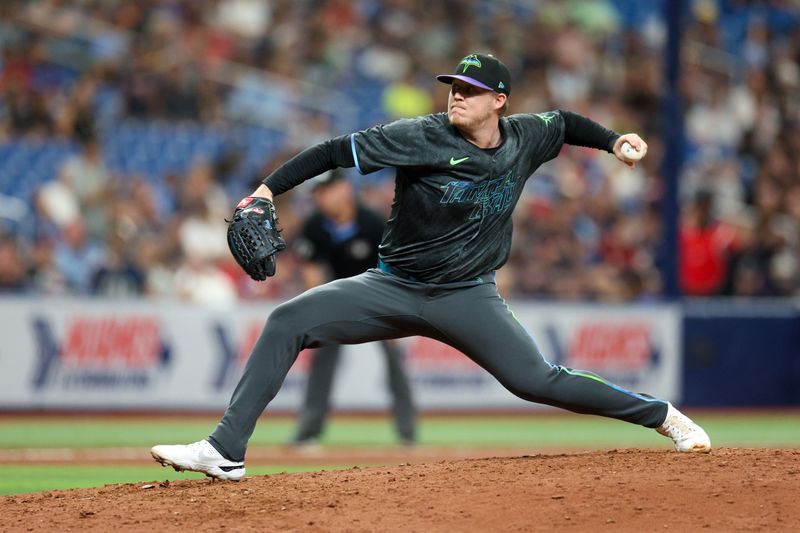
46,276
78,257
76,117
201,234
180,94
55,206
26,112
200,281
119,276
705,248
152,260
13,274
88,177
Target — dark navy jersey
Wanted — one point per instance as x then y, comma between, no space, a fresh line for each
347,249
451,214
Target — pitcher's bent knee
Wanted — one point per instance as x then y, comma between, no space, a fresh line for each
286,320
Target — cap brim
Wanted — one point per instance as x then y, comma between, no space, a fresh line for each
448,78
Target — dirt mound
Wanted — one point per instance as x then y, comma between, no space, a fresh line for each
621,490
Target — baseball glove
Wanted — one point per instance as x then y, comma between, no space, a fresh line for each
254,237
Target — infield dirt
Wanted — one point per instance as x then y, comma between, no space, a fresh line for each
731,489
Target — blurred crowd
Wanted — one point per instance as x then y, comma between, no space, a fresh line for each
588,228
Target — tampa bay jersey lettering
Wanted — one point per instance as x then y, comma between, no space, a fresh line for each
489,196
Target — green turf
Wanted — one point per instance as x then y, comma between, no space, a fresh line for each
537,432
16,479
567,431
575,431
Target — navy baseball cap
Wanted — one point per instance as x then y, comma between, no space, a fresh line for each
482,70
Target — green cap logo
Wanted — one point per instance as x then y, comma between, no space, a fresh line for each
470,61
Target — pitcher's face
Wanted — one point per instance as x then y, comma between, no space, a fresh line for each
469,106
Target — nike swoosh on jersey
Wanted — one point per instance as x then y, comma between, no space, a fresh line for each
454,161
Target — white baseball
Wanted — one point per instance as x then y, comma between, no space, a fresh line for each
630,153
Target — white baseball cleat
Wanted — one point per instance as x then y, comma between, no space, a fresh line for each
687,436
199,456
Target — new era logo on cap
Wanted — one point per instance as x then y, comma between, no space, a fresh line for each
481,70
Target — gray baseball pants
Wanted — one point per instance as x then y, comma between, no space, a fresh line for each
470,316
320,382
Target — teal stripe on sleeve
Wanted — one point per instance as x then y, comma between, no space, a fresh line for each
355,155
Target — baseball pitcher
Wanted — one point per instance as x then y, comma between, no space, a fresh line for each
459,175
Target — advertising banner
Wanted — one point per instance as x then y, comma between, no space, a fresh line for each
89,354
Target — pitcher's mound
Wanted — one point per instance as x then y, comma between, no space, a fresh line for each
621,490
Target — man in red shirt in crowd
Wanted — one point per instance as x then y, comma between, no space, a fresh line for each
705,248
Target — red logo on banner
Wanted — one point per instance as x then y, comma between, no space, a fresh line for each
603,345
130,342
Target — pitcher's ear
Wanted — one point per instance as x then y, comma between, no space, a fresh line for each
501,102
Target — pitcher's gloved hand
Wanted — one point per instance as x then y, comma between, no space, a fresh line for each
254,237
